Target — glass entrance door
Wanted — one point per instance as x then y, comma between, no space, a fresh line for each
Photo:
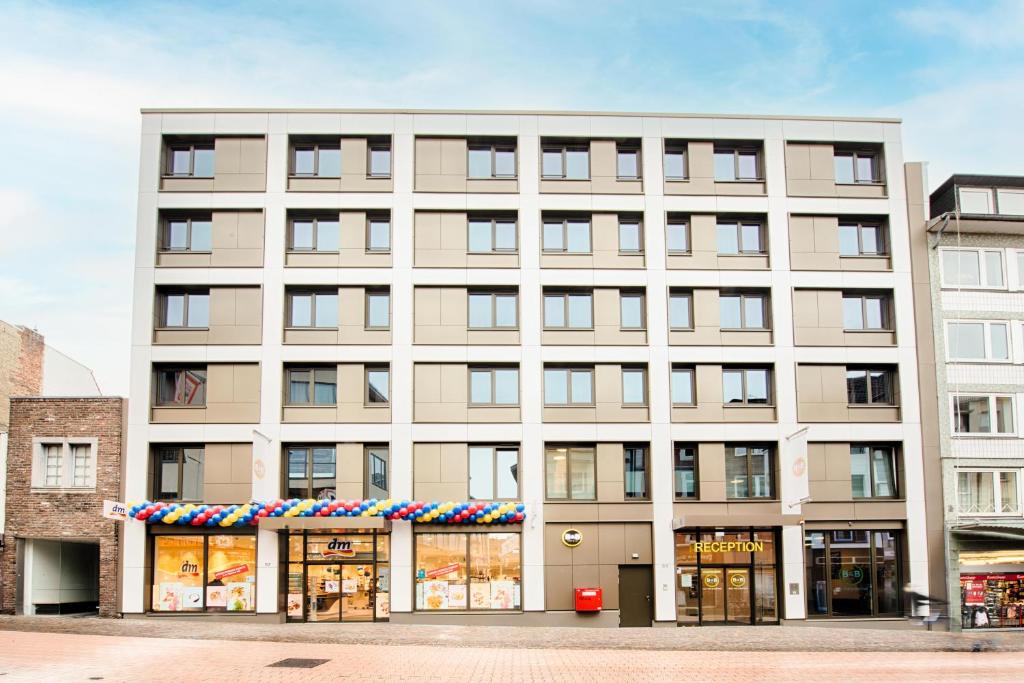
712,595
323,592
356,592
737,595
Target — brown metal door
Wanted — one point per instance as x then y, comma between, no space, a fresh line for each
636,598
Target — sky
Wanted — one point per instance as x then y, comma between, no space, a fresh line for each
73,76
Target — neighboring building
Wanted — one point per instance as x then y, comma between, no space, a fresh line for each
613,324
976,235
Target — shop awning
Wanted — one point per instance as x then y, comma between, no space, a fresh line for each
296,523
998,530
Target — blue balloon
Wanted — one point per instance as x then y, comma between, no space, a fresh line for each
520,507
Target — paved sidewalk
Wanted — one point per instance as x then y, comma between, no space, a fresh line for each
34,657
705,638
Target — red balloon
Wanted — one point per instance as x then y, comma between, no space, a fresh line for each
519,516
262,513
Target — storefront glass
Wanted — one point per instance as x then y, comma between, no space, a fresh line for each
853,573
992,586
338,577
194,573
477,571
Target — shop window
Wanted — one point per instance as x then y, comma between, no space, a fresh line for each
493,473
204,573
571,473
312,472
991,599
178,473
748,472
853,573
466,572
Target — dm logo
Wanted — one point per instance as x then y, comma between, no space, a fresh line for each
339,548
188,567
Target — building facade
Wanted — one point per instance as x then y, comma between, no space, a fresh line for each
976,235
471,367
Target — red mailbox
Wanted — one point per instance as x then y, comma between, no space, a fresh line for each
588,599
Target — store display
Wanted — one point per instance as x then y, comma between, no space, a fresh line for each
992,600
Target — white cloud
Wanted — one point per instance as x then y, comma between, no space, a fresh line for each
998,26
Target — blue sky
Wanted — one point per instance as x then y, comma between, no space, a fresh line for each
74,75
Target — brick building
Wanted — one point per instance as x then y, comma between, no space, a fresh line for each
64,458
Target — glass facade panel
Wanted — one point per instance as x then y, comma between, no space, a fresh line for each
477,571
196,573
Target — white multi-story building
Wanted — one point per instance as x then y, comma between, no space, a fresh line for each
610,328
977,266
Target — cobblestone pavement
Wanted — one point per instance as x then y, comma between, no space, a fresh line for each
705,638
43,656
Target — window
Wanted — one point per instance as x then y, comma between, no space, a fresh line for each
494,386
857,167
183,309
746,386
873,471
866,312
571,473
976,200
378,233
680,310
740,237
685,471
468,571
178,473
496,160
312,472
987,492
493,473
683,387
378,385
630,237
492,235
678,237
862,239
314,233
853,573
378,309
631,310
980,340
978,268
748,472
567,235
316,160
317,309
181,387
193,573
568,310
974,414
565,162
190,160
627,162
568,386
744,311
64,464
737,164
377,471
379,165
634,386
187,233
636,479
870,386
311,386
675,161
493,310
1011,202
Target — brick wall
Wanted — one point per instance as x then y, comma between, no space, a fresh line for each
21,365
58,514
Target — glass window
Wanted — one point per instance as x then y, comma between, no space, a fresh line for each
865,312
328,161
629,237
679,310
972,268
872,472
571,310
682,387
736,164
1011,202
636,472
568,386
634,386
675,162
476,571
748,386
577,163
978,340
378,385
748,472
489,386
570,236
81,464
191,160
678,237
571,473
853,573
739,238
192,234
479,165
312,386
976,200
551,163
861,239
204,573
377,471
378,310
53,461
178,473
380,160
492,310
725,165
202,162
315,234
870,386
312,472
481,235
973,414
313,309
378,234
505,161
685,471
742,311
628,163
631,311
493,473
566,162
181,387
856,167
491,161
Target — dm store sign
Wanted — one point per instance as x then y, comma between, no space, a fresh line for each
338,547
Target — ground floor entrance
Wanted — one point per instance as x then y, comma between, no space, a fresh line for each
338,577
726,576
57,576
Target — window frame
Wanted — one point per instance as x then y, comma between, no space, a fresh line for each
646,450
623,148
688,295
310,385
315,219
163,245
685,223
569,371
562,148
179,369
987,326
565,220
377,367
886,310
376,146
368,293
369,458
494,448
992,411
564,295
855,155
682,149
494,221
997,493
161,308
861,226
179,449
568,447
676,448
642,371
494,148
308,448
290,295
744,296
737,151
632,294
690,370
737,224
894,469
372,218
174,146
892,377
629,220
39,473
493,294
491,370
316,146
746,402
982,268
771,473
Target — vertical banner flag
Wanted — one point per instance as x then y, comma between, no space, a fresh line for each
795,487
